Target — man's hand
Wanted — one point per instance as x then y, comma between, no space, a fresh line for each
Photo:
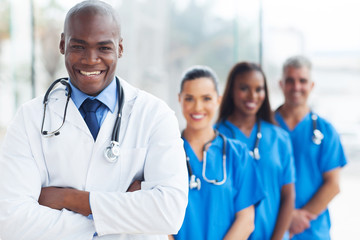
52,197
69,198
300,221
72,199
135,186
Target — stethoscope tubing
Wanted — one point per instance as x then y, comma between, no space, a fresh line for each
195,182
112,152
255,153
45,103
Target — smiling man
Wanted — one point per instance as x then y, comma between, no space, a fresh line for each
63,186
318,153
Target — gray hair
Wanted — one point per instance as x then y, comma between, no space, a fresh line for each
93,7
297,62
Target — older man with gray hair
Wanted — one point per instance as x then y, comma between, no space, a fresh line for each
318,152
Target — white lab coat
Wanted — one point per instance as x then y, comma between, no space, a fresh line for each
151,148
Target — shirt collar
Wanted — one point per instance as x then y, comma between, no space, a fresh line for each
106,96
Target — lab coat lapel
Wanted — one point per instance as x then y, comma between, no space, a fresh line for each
73,116
106,129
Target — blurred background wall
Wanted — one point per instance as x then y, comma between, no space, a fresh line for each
162,38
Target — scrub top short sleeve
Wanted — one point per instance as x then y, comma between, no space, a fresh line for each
211,210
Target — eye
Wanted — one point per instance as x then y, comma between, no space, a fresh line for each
303,80
188,99
289,80
207,98
244,88
105,48
260,89
77,47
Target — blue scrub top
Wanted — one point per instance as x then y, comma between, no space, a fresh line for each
311,162
276,168
211,210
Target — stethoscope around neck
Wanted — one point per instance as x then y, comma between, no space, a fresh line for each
317,135
112,152
255,153
195,182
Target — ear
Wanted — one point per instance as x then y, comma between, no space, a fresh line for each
312,84
219,100
62,44
121,48
179,97
281,84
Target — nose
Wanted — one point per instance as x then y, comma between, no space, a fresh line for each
198,105
297,85
252,94
90,57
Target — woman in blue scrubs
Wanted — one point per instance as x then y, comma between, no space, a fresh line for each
226,187
245,115
318,153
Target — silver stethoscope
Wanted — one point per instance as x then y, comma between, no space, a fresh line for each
113,151
195,182
317,135
255,153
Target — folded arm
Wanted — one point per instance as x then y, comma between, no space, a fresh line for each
21,216
72,199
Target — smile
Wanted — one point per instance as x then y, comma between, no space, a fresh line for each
197,116
250,104
94,73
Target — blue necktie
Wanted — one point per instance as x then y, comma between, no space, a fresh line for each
90,106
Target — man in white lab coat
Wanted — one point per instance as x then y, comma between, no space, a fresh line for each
63,187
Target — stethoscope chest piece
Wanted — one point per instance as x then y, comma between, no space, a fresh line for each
194,183
255,153
112,152
317,137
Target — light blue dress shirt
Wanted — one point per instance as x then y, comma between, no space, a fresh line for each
106,96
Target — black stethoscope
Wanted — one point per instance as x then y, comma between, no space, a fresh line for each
255,153
113,151
195,182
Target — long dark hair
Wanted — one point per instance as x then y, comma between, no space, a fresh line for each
227,105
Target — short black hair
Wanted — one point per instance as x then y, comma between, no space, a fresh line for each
93,7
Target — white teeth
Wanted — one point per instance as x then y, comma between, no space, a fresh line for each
296,94
90,73
197,116
250,104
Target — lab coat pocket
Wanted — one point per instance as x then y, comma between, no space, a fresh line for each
116,176
132,165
